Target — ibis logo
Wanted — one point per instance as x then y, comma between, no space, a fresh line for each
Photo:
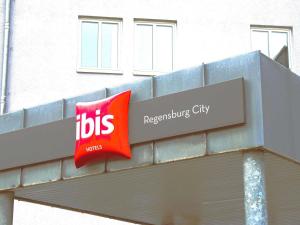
94,125
102,129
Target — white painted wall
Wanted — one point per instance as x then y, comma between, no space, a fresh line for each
26,213
45,35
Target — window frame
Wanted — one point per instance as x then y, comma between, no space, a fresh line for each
271,29
100,70
154,24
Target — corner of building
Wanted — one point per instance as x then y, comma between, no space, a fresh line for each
281,107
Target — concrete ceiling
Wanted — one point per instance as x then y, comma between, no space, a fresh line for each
205,190
283,190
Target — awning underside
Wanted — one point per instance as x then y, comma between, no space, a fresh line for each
204,190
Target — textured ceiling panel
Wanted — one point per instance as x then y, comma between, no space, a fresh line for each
206,190
283,190
201,191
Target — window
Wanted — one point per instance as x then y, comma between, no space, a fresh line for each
99,45
153,47
273,42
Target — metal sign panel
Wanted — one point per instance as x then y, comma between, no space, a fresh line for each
215,106
190,111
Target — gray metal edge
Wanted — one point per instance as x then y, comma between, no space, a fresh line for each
281,109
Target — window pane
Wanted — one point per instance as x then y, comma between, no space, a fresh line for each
163,57
109,45
89,44
277,41
143,47
260,41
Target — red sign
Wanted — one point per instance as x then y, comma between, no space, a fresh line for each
102,129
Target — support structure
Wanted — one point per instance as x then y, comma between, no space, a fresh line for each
4,74
254,188
6,208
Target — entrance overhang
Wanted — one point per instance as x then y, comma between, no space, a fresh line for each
198,178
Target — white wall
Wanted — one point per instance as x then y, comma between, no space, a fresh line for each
26,213
45,35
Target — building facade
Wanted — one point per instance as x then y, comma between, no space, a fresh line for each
63,49
233,174
246,173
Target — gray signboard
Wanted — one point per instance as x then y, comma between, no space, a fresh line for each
199,109
210,107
